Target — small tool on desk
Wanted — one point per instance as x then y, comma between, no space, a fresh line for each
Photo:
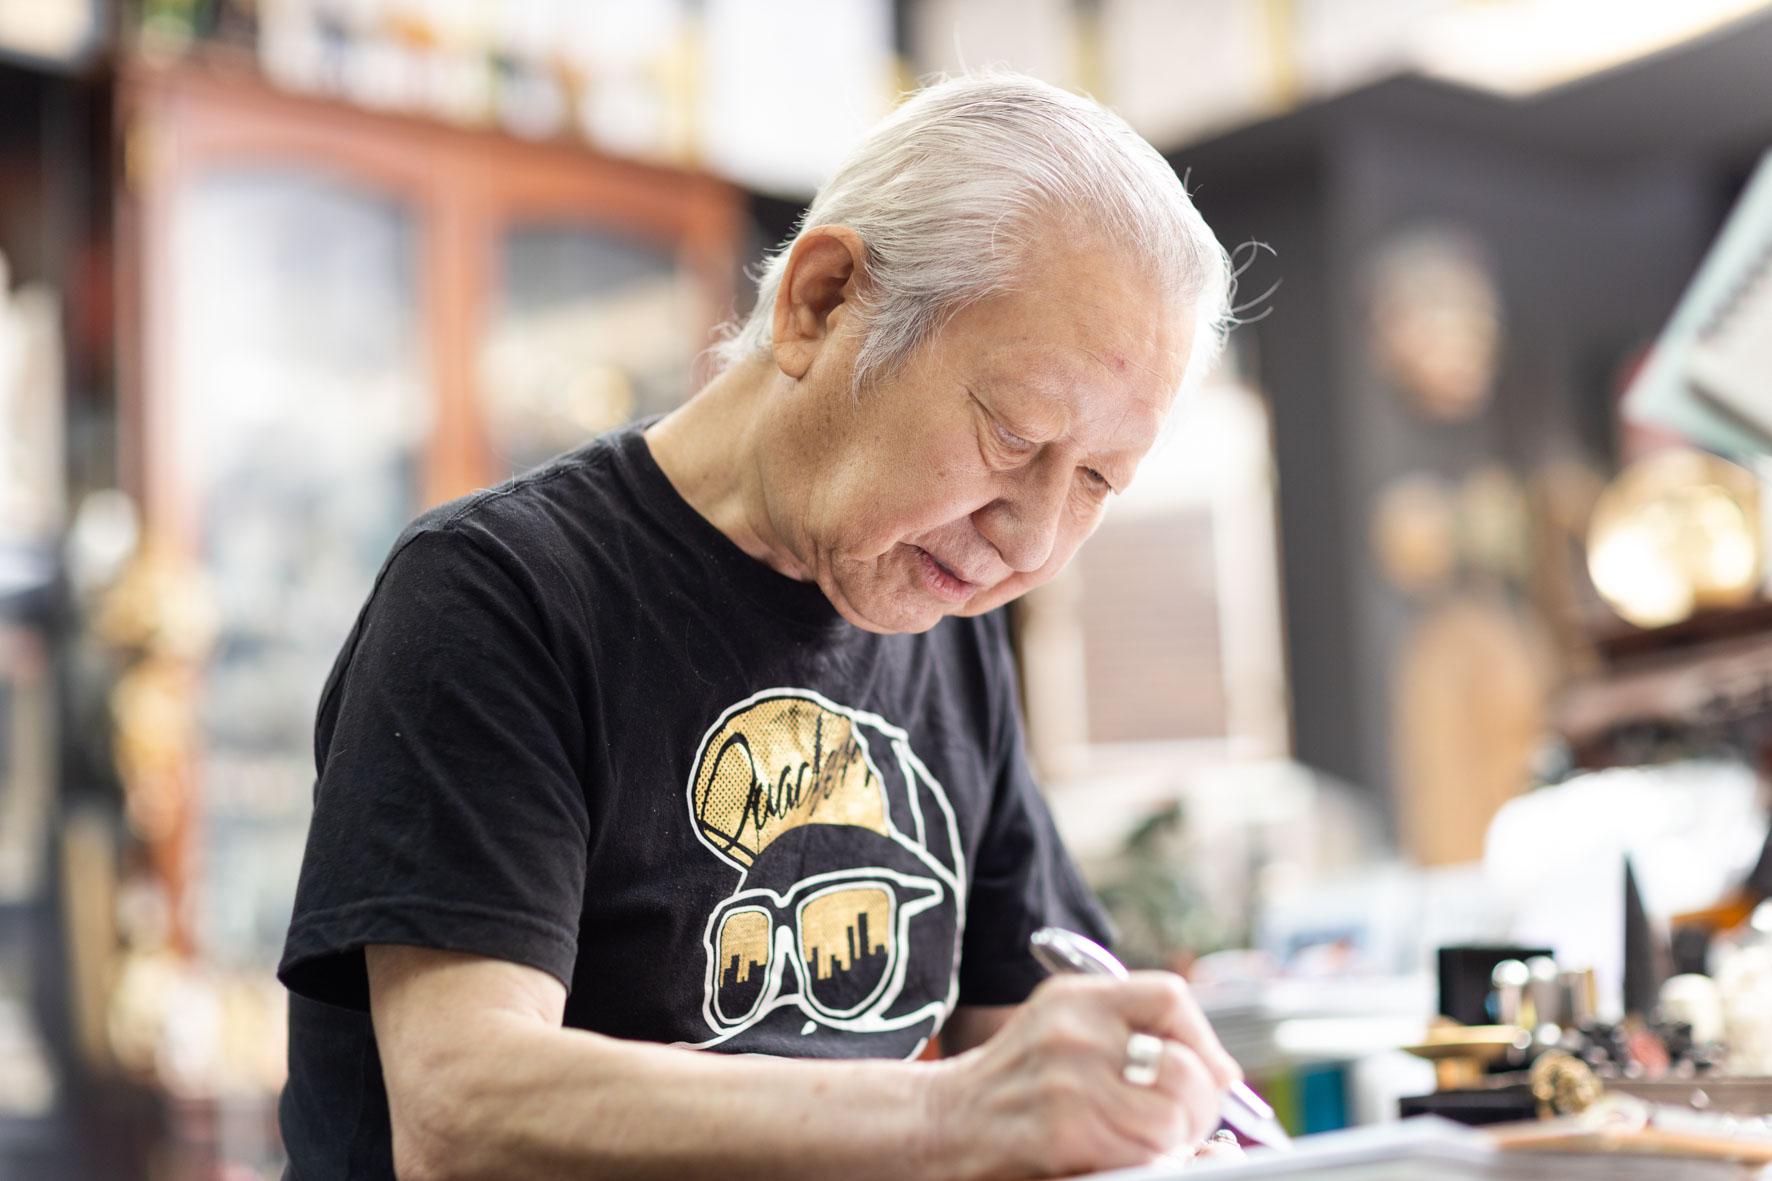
1059,950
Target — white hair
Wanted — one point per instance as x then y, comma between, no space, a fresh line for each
949,192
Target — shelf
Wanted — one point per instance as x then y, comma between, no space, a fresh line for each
229,74
1714,668
1628,645
1722,680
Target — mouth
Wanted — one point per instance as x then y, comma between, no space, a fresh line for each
941,581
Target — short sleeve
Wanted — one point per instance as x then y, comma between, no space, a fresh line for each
1023,877
449,810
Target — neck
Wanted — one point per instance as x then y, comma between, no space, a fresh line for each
713,450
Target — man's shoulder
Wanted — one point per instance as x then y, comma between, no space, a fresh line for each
546,499
545,522
549,543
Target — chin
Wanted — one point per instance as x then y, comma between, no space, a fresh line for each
878,598
889,612
894,619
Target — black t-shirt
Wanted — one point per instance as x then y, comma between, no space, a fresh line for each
576,727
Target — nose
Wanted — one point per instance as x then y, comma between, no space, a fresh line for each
1022,524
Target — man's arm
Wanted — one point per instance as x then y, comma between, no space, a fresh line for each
483,1081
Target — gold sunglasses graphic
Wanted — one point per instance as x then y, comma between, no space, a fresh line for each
841,933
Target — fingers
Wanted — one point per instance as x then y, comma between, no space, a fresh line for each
1180,1107
1161,1003
1076,1029
1191,1085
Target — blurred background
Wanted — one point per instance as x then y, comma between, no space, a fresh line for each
1434,637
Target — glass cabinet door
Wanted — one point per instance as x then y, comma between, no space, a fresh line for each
343,317
301,414
588,328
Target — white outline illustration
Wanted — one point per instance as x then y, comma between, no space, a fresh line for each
917,779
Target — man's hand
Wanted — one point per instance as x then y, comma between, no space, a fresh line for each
1045,1096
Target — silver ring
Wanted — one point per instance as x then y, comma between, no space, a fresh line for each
1144,1052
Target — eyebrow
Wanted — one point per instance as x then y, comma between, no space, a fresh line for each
1020,387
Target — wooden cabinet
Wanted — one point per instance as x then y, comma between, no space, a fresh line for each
335,318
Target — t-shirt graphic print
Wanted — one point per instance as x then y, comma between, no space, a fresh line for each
849,887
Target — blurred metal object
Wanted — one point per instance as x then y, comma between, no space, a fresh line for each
1580,989
1546,1017
1509,981
1674,533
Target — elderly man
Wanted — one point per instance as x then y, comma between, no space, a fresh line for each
704,737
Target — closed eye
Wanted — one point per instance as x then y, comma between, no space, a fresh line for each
1098,481
1011,440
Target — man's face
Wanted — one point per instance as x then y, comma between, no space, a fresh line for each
972,474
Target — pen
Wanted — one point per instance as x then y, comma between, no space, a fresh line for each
1059,950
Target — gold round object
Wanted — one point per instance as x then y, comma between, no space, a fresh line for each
1563,1084
1674,533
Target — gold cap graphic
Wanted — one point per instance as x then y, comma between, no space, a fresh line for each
777,764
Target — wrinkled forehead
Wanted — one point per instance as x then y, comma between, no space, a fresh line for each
1113,378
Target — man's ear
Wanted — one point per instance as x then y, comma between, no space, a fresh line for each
817,294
